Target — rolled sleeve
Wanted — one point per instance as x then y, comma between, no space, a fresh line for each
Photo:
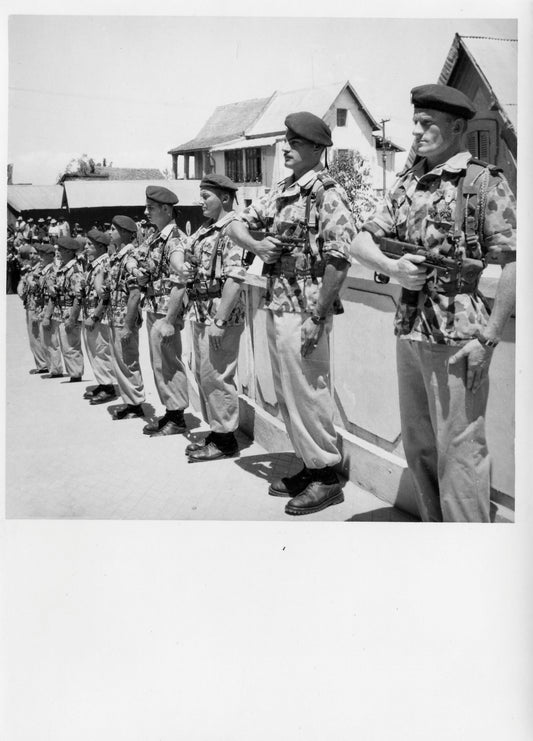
381,223
499,232
336,225
254,215
233,260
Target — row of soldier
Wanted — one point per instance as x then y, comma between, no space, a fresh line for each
447,205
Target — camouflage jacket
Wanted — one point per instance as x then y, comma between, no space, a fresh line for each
154,266
64,287
420,208
217,257
45,279
120,281
30,289
97,268
332,229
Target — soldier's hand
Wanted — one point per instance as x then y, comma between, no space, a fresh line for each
268,249
408,272
478,359
310,335
89,324
165,329
216,335
185,272
125,335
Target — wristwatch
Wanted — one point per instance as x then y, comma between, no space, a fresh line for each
485,341
220,323
317,319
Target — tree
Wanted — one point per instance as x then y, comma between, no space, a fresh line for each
352,171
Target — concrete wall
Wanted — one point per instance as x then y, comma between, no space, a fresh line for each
366,393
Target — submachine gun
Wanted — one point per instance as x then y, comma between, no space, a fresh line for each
288,242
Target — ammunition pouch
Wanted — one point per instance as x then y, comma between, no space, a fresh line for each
204,290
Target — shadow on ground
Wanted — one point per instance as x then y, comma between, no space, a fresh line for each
383,514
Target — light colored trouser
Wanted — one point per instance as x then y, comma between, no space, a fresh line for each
71,348
169,372
50,340
302,389
98,346
36,343
215,373
126,366
443,433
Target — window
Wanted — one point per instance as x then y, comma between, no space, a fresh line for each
341,116
482,139
253,165
233,163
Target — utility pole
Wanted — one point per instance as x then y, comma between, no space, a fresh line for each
384,153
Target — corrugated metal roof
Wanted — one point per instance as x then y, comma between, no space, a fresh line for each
117,193
243,143
317,100
226,122
34,197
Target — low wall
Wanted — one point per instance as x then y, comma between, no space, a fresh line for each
365,391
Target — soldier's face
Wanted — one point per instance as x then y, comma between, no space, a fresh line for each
300,155
157,213
64,255
211,203
91,250
433,132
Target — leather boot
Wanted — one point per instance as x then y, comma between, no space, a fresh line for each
324,490
290,486
221,445
130,411
174,424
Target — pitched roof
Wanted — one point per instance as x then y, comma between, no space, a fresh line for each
34,197
496,62
130,173
118,193
225,123
317,100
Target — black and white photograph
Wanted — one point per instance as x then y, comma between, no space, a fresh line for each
265,373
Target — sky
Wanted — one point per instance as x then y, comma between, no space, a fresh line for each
129,88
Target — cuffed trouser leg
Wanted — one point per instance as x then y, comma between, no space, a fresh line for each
302,389
126,367
36,344
215,374
443,433
50,340
169,372
98,345
70,342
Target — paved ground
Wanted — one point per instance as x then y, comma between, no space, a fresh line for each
66,459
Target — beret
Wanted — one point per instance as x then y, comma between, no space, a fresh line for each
124,222
221,182
309,127
68,243
95,235
161,195
45,247
443,98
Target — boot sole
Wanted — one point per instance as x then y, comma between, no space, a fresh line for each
336,499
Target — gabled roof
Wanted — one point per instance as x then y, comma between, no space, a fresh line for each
35,197
118,193
130,173
317,100
225,123
496,62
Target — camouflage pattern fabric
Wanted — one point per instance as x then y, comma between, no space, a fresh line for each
31,287
203,246
91,299
119,283
46,277
283,211
154,266
65,286
420,208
